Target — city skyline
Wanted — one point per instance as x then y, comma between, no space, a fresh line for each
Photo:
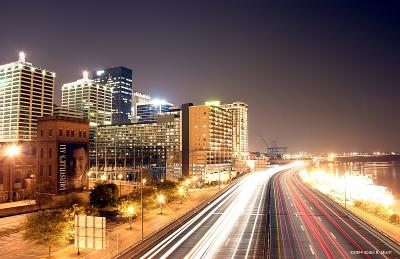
243,50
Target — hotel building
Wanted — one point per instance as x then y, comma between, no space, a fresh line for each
240,137
206,140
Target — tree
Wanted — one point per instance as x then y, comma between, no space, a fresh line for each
47,228
127,209
69,201
394,218
104,195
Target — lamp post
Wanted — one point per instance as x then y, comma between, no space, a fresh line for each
120,178
161,200
12,151
181,192
142,182
219,180
131,210
345,192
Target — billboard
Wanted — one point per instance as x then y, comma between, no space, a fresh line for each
90,232
73,167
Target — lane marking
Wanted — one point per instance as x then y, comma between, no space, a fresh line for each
333,235
296,215
320,219
302,227
230,240
311,208
312,251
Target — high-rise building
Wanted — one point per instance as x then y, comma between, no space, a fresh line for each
148,112
67,112
138,98
92,98
120,80
26,94
240,138
206,140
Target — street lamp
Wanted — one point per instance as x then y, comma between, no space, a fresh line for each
12,151
187,182
120,178
181,192
142,181
103,178
131,210
161,200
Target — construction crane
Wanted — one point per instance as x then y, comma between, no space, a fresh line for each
265,142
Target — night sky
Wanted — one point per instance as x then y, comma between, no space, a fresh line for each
318,76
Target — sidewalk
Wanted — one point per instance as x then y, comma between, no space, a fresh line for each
121,237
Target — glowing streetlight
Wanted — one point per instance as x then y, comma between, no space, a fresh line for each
103,177
161,200
187,182
181,192
13,150
131,211
144,181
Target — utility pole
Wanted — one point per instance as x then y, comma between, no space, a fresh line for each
141,190
345,192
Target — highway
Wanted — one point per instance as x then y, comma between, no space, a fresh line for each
232,226
306,224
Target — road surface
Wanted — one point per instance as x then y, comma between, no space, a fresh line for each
232,226
305,224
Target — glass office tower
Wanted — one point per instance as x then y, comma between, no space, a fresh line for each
120,80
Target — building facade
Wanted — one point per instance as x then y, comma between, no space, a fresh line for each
92,98
240,138
206,140
138,98
67,112
62,154
129,148
18,172
120,80
148,112
26,94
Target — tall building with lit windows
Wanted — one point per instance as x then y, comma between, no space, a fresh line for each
120,80
26,94
206,140
92,98
148,112
240,139
138,98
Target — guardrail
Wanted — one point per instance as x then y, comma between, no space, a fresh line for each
142,246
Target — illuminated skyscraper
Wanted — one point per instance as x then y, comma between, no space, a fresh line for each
240,137
26,94
92,98
120,80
